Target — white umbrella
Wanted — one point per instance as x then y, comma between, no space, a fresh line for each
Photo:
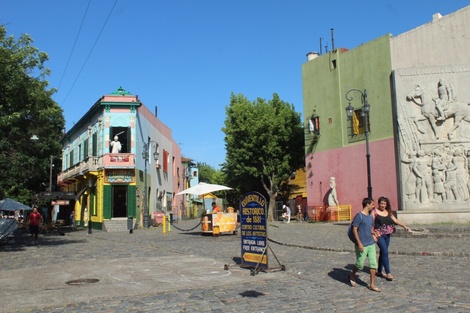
202,189
8,204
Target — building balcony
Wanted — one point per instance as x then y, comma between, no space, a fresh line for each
91,164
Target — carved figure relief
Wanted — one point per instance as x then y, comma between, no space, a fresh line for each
433,118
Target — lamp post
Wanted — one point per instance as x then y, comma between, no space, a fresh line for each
365,110
51,165
35,138
145,156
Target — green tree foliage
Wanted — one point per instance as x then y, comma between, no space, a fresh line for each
208,174
265,145
26,109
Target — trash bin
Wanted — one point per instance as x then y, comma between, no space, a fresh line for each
171,218
130,223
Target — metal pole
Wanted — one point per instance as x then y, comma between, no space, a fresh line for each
50,174
369,183
146,207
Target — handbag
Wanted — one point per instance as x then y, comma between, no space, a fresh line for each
386,229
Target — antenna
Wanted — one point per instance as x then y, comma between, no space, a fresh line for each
332,39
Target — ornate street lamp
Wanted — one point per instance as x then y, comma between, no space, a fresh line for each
365,110
145,156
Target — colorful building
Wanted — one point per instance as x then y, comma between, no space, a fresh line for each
121,161
385,73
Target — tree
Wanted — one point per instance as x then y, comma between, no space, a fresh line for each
265,145
26,109
207,174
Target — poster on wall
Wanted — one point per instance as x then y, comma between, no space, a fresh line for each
253,230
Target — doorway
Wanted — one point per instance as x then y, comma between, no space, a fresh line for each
119,201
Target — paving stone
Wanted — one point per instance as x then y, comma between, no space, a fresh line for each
182,271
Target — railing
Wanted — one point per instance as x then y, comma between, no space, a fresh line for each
120,160
110,160
329,214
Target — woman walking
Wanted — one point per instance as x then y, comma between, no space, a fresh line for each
384,225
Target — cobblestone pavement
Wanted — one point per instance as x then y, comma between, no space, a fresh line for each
183,271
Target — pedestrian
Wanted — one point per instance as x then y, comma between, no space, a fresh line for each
286,213
34,219
362,228
384,225
300,216
72,219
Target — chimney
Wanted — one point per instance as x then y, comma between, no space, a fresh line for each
311,56
156,111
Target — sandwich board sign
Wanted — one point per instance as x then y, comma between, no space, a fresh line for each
253,230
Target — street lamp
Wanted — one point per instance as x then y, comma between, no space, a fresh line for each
145,156
365,110
35,138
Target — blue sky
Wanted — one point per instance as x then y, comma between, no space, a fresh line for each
187,56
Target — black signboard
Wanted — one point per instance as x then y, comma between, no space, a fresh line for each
253,230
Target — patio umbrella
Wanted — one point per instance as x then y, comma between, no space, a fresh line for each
8,204
202,189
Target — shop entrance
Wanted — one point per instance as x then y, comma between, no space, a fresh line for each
119,201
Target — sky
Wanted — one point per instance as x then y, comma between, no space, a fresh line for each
186,57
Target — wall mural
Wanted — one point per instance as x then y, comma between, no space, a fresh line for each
433,116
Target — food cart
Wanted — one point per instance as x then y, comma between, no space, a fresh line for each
219,223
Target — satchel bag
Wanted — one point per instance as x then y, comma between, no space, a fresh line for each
350,232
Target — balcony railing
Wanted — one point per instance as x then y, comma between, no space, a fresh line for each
111,160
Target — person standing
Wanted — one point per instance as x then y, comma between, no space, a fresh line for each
384,226
116,145
362,228
72,219
34,219
286,213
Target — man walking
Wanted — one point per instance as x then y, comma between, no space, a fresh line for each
362,228
34,219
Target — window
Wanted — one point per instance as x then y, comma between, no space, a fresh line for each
359,122
85,149
166,161
94,145
123,134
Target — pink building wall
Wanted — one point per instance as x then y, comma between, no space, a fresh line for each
351,187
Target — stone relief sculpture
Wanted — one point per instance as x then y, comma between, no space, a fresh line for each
450,108
434,137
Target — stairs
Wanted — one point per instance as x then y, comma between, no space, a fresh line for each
117,224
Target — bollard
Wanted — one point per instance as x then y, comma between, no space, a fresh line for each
89,227
130,225
169,224
164,225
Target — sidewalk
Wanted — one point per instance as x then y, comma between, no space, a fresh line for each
426,240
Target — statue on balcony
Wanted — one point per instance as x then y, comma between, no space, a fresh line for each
116,145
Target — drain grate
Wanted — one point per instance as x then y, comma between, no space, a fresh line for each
83,281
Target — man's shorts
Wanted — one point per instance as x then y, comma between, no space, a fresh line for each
34,229
369,253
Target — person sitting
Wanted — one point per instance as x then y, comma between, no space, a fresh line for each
215,208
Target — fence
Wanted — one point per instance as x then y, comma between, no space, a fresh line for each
318,213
